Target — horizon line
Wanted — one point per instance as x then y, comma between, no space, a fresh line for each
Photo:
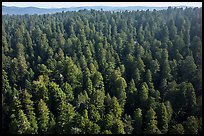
99,6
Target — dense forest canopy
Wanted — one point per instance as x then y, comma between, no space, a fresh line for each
103,72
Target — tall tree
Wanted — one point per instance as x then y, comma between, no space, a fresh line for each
21,124
28,104
151,122
162,118
138,121
143,93
43,117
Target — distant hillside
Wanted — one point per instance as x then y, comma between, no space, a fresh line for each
27,10
34,10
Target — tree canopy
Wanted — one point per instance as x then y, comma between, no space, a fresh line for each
103,72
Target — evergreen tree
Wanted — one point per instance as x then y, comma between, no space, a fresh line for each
151,122
29,111
138,121
177,129
191,125
43,117
162,118
22,124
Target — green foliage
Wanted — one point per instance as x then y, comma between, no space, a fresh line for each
151,122
191,125
128,124
165,68
22,123
106,132
115,107
103,72
169,109
132,95
177,129
71,73
108,121
162,118
118,127
40,90
187,68
43,117
94,114
65,117
29,111
138,121
67,89
143,92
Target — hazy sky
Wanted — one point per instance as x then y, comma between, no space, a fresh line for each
78,4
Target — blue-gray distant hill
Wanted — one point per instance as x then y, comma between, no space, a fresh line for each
33,10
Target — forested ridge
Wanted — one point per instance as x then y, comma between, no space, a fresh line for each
103,72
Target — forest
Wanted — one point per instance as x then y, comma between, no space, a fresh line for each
103,72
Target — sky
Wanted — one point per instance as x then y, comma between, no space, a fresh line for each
118,4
